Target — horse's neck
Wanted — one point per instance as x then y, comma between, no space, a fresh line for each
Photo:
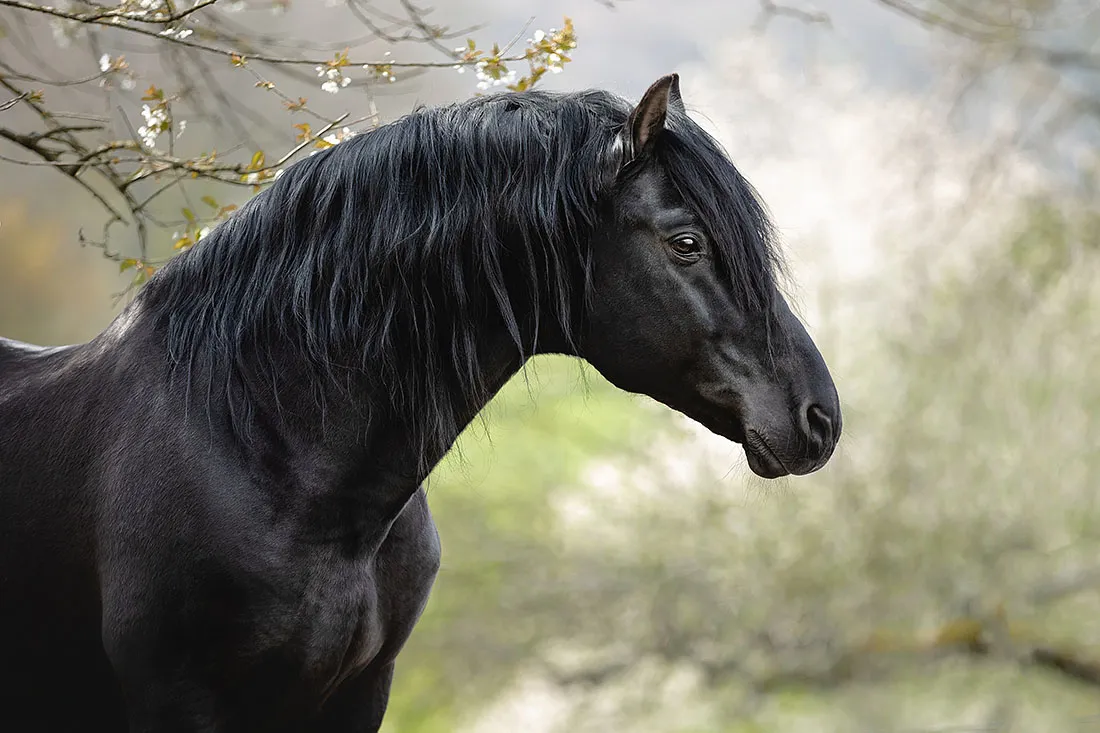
319,442
352,461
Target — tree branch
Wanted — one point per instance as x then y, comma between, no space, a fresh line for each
14,101
32,144
769,9
116,22
1067,664
928,18
185,37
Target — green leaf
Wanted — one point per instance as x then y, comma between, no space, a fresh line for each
210,201
127,264
189,215
257,160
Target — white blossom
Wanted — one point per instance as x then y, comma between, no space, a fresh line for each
156,120
485,81
335,79
332,87
104,62
335,138
386,74
179,33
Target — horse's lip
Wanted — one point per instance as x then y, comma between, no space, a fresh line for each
762,459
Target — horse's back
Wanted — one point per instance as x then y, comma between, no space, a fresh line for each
56,676
18,356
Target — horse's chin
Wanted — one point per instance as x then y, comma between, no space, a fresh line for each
762,460
727,423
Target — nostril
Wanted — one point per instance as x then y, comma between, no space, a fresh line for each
818,425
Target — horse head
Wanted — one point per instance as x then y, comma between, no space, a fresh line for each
684,304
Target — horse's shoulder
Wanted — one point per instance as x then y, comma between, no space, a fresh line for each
414,532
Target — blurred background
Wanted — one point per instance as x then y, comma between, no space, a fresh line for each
608,565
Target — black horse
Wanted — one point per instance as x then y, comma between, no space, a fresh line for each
210,514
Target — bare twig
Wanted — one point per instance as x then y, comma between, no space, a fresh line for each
958,27
240,55
137,170
769,10
14,101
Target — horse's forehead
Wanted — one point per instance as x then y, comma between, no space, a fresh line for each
649,191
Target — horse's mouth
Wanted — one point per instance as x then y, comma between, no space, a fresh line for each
761,458
727,423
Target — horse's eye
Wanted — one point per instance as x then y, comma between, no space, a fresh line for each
687,247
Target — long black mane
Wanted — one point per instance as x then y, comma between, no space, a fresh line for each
388,254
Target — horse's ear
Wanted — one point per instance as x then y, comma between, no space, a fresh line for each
648,119
674,99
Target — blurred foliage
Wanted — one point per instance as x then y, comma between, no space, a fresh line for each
493,499
930,580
